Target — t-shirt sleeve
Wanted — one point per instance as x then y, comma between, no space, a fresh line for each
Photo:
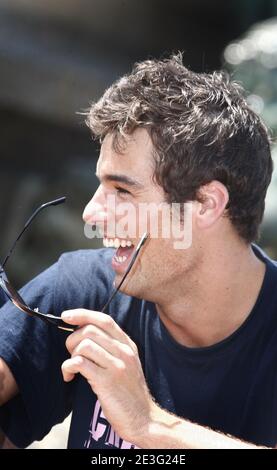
34,351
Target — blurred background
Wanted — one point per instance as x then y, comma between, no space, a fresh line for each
58,56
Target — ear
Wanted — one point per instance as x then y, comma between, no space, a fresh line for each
214,197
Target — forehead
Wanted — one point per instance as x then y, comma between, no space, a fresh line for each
135,157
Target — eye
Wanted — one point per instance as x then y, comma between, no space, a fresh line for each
121,191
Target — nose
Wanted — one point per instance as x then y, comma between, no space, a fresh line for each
96,210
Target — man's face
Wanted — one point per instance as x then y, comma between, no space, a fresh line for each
120,205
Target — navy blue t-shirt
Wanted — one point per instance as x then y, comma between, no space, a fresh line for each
230,386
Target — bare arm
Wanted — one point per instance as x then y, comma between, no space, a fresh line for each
171,432
8,389
8,385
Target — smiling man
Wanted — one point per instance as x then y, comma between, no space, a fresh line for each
186,356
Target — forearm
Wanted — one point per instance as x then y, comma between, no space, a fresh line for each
8,385
167,431
8,389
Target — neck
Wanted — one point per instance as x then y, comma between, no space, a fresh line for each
216,298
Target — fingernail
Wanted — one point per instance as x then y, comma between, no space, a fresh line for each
67,315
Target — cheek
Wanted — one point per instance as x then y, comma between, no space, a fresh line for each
156,222
165,259
126,220
157,257
134,219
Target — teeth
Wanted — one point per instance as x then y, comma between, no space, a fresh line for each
105,242
120,259
116,243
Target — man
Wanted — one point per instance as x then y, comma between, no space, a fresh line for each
188,352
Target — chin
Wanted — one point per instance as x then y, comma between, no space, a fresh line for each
131,290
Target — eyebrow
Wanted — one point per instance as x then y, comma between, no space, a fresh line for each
121,179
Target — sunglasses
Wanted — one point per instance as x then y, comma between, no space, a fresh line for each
18,301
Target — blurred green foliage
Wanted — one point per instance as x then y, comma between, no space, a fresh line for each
252,60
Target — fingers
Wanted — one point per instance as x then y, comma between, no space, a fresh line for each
79,364
98,342
95,353
92,364
88,331
81,317
98,326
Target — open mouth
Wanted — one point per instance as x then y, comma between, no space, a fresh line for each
124,251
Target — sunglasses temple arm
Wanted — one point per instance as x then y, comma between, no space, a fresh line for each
55,202
141,243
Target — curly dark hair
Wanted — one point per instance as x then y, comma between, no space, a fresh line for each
202,129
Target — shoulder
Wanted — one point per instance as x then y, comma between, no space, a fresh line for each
86,266
84,277
267,308
260,253
270,264
88,260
